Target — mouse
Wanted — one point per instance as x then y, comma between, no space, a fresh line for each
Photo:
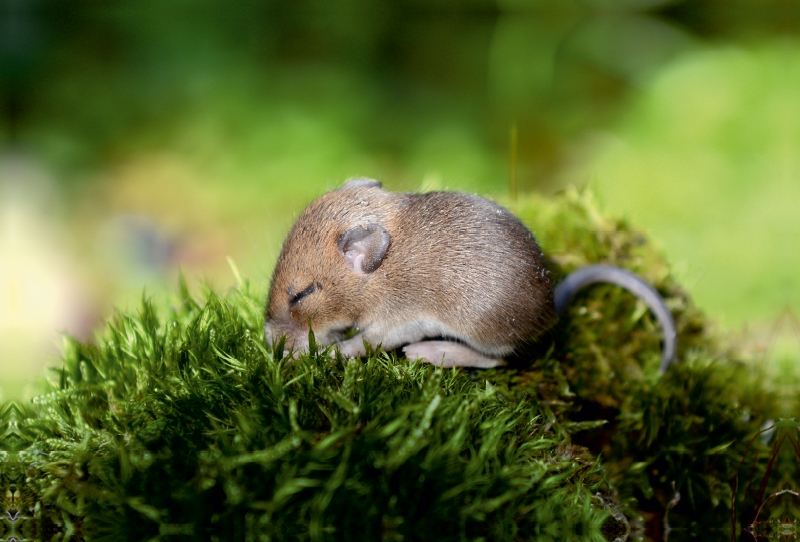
453,279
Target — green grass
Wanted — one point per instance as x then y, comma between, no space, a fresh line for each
178,422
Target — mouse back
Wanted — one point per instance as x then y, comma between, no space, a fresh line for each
478,263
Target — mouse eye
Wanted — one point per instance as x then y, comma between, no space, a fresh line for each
310,289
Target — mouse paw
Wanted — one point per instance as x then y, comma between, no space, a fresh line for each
449,354
353,347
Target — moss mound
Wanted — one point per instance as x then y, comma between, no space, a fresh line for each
179,422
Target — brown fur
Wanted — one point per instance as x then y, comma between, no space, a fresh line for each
455,262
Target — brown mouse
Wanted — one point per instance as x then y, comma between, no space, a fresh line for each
406,268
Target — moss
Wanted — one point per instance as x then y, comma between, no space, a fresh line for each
179,422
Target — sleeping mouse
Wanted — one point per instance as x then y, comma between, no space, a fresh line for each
403,269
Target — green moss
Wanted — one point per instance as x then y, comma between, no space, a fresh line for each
181,422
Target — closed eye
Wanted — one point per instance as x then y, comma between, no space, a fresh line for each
294,299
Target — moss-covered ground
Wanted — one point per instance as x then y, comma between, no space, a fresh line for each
179,422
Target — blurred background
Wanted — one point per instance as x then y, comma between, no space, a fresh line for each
141,137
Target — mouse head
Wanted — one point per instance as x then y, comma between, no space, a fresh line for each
326,264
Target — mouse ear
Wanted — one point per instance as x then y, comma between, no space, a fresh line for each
362,183
364,247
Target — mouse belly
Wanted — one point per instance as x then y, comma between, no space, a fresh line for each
466,353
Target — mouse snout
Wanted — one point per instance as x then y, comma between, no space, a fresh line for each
296,338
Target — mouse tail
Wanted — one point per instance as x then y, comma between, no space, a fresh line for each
576,280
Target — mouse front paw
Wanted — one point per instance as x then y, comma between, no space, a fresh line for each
353,347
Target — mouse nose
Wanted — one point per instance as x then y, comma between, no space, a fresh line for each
268,334
273,334
295,339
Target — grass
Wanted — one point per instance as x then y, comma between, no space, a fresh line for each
178,422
